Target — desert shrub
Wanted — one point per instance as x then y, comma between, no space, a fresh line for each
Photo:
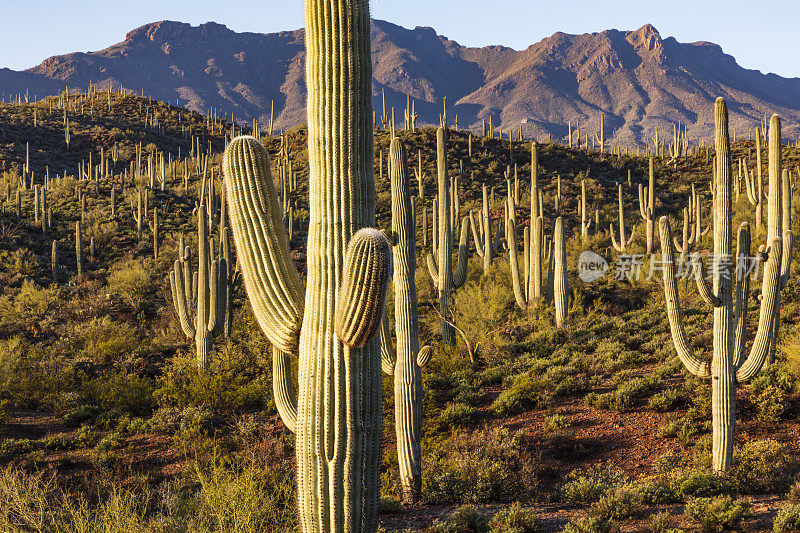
665,400
19,262
617,503
515,519
718,513
794,492
589,485
761,466
81,414
456,414
588,524
248,496
787,520
660,523
133,280
107,342
524,393
771,389
127,393
465,519
28,310
557,422
701,483
236,384
654,493
485,465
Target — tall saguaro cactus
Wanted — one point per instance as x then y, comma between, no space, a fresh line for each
622,246
647,206
339,410
442,274
486,242
728,365
209,294
405,363
779,218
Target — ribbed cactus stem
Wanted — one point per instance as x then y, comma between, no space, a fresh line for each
622,246
154,227
406,370
78,247
647,206
560,281
54,260
445,264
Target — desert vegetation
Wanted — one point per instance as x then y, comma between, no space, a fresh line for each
353,325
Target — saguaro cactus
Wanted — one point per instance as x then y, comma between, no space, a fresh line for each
54,260
728,365
339,411
78,247
486,242
138,216
779,219
647,206
154,227
442,274
560,281
209,294
405,363
622,246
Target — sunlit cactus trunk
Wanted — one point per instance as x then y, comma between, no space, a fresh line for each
728,365
404,364
560,281
339,409
445,229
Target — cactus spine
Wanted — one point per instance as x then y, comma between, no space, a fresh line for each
405,363
209,294
728,365
339,418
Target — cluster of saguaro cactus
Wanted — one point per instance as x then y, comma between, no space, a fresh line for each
442,273
728,365
405,363
339,413
647,206
755,184
200,298
693,232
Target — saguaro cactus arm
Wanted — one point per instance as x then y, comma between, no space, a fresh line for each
365,283
769,299
179,298
283,389
271,280
693,364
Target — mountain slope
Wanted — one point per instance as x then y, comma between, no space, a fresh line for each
638,79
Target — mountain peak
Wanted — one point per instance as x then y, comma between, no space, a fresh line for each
646,38
169,30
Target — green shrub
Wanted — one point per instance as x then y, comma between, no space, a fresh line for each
588,524
557,422
794,492
617,503
719,513
126,393
665,400
133,280
589,485
661,523
465,519
526,392
515,519
456,414
787,520
81,414
701,483
482,466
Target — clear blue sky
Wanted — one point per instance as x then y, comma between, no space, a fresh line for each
761,34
